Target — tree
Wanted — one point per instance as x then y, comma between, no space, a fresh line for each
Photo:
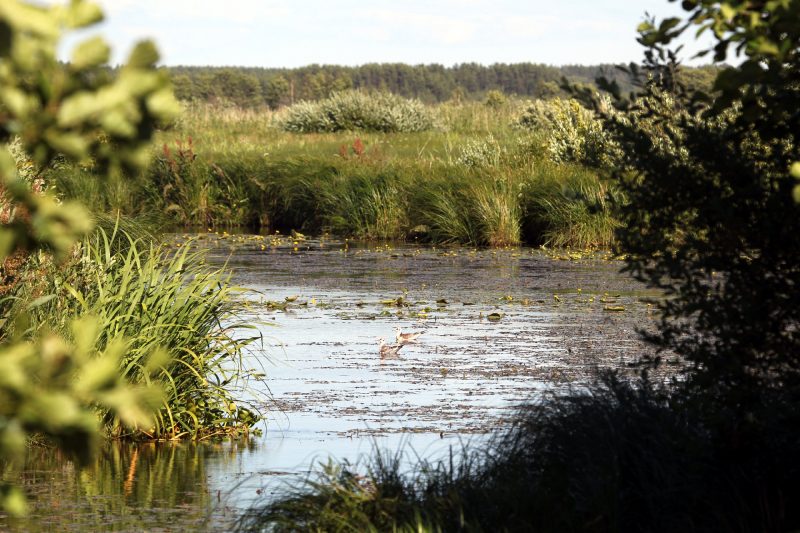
710,216
236,87
51,386
276,91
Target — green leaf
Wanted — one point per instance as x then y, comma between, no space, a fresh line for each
12,500
163,104
764,46
41,300
117,124
33,19
15,100
70,144
7,240
727,11
90,53
81,13
144,55
794,170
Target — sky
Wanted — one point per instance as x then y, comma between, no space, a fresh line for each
286,33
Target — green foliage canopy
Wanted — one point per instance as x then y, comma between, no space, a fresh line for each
710,216
50,385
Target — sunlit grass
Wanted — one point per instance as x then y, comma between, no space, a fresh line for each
477,180
153,298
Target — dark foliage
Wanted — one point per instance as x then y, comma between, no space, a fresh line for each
618,458
710,216
430,83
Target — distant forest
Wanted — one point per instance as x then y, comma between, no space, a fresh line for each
276,87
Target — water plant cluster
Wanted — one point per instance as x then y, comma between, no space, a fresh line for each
148,300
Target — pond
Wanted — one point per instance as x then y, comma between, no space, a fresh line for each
500,327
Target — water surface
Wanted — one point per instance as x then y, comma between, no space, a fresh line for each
501,327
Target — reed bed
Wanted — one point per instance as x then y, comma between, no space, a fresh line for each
155,300
478,180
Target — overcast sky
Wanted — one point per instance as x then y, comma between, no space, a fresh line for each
284,33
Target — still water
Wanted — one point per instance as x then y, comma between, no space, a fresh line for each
501,327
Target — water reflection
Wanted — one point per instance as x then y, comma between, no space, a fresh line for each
129,487
332,394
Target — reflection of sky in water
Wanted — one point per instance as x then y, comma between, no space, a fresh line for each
335,396
331,393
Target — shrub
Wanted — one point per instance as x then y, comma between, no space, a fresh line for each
495,99
481,153
573,132
710,218
357,110
615,457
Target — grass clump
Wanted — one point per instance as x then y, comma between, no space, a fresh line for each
358,110
619,457
153,299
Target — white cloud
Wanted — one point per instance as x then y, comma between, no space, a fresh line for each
528,26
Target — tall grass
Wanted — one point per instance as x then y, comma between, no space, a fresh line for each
497,207
151,297
618,457
480,182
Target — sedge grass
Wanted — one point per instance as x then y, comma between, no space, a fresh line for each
151,299
479,182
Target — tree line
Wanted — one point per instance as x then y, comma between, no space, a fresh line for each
277,87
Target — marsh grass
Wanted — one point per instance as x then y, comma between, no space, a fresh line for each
568,206
480,181
619,456
447,218
152,298
498,210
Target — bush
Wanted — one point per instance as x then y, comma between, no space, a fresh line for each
357,110
573,132
481,153
710,217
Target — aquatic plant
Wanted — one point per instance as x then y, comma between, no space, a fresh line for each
364,206
497,209
578,213
446,214
154,298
